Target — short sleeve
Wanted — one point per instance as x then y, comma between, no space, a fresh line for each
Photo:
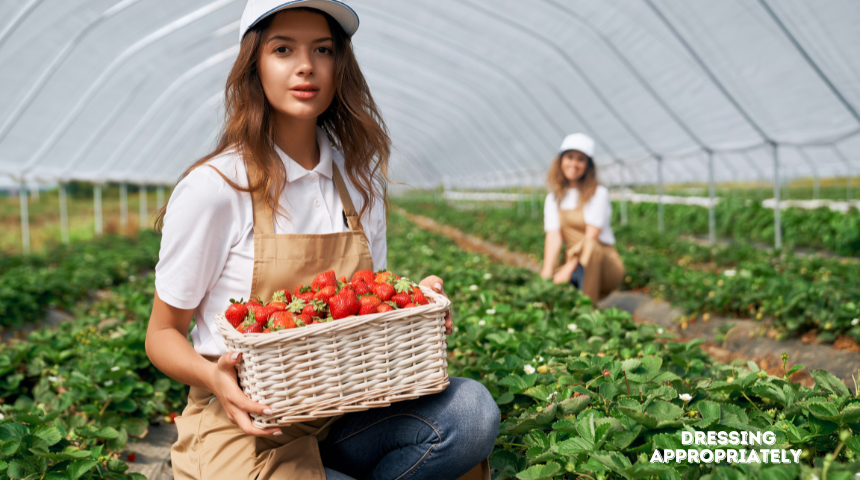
596,211
551,219
380,236
200,227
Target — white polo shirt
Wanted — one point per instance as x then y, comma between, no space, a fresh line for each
597,212
207,244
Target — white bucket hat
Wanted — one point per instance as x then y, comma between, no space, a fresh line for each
578,141
257,10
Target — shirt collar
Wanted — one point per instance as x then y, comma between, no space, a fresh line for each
297,172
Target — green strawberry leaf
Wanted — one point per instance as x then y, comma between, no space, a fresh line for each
539,472
829,382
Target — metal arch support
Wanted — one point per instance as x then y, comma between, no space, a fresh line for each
144,212
25,218
55,64
661,225
64,214
777,220
573,65
123,207
849,180
712,190
106,74
97,209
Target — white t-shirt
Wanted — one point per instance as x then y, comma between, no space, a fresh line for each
207,245
597,212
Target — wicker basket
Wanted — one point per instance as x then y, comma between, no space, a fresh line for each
347,365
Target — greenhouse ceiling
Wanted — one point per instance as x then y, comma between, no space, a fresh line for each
476,93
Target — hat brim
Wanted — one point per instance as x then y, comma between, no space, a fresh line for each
341,12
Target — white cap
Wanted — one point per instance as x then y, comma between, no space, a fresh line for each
578,141
257,10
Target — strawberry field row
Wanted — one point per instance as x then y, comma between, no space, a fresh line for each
797,293
586,393
29,285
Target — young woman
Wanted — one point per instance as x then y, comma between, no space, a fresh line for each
577,212
295,187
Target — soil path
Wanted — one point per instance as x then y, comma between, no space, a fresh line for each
742,339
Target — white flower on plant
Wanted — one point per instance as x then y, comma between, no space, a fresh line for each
487,276
2,416
511,330
730,273
529,369
491,311
53,378
482,323
456,329
539,359
659,331
572,327
114,369
109,383
473,287
855,321
685,397
476,259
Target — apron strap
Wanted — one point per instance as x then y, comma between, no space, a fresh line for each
348,208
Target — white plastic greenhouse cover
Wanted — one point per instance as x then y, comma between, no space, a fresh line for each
475,92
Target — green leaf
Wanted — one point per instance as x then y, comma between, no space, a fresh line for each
664,411
78,468
829,382
572,406
161,385
3,465
19,469
137,427
118,444
538,472
14,431
575,446
51,435
795,368
505,398
854,444
539,393
515,383
824,411
117,465
641,418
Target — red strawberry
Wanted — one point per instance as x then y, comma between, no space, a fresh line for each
254,328
383,276
360,286
325,293
282,320
418,297
262,314
282,296
365,275
132,457
342,279
384,290
344,304
172,416
279,306
384,308
314,309
325,279
410,305
305,293
304,320
401,299
255,300
236,313
369,304
268,330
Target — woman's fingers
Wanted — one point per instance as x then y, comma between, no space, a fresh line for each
243,420
438,285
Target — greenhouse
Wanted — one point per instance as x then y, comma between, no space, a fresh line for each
718,292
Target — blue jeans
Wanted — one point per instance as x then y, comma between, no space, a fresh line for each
440,436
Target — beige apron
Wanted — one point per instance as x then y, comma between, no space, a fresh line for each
604,269
210,447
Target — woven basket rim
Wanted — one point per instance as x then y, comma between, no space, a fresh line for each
438,303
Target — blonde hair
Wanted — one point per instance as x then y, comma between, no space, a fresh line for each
559,184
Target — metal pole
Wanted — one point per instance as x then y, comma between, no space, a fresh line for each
849,184
660,223
143,211
25,219
712,188
123,206
159,197
815,185
97,200
777,222
64,215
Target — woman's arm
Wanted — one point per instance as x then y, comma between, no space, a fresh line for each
170,352
551,249
564,273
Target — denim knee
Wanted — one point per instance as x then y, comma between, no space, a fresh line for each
475,417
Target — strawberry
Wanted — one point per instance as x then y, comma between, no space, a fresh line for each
341,279
279,306
369,304
382,308
401,299
365,275
268,330
383,276
262,314
305,293
282,320
384,290
410,305
314,309
282,296
254,301
344,304
418,297
132,457
236,313
324,279
325,293
254,328
304,320
360,286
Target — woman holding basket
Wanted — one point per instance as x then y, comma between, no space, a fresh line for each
295,187
578,213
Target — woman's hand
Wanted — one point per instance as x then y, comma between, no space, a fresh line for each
222,382
436,284
546,272
563,275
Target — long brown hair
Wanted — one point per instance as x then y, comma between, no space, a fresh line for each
558,183
352,122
